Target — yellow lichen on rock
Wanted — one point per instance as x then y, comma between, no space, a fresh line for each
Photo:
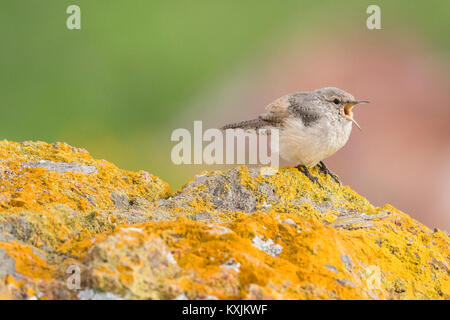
245,233
283,256
38,176
56,199
51,194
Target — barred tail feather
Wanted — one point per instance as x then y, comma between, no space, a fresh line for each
249,124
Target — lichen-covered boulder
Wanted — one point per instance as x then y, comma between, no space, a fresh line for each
54,200
245,233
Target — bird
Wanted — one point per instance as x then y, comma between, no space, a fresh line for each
313,125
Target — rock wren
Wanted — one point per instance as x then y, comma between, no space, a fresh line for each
313,126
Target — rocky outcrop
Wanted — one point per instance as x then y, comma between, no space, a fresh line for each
72,227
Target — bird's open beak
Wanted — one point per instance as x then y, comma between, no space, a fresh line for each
348,110
348,107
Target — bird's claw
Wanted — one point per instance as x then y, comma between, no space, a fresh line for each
303,169
323,168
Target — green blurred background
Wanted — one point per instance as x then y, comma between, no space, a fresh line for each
119,86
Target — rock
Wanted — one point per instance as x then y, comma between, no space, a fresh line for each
267,246
7,266
55,202
120,200
61,167
89,294
72,227
37,176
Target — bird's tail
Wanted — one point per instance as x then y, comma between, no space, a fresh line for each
248,124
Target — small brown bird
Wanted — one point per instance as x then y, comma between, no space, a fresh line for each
312,125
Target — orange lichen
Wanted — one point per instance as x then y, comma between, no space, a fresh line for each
37,188
246,233
358,267
27,261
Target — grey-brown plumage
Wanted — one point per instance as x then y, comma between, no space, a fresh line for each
313,125
299,104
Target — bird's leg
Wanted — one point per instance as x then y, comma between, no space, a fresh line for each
323,168
303,169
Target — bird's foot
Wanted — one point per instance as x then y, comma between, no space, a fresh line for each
323,168
303,169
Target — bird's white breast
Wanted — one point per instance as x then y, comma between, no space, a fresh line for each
308,145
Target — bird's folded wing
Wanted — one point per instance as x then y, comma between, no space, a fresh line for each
296,105
277,111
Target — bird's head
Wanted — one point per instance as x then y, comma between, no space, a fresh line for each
339,102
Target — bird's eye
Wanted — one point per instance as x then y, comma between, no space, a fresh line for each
336,101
